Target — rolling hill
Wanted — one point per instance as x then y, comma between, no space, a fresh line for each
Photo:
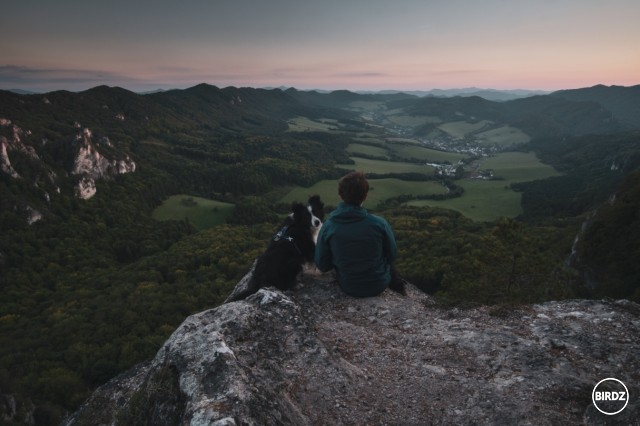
91,284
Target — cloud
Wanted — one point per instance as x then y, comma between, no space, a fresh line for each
15,76
360,75
458,72
165,77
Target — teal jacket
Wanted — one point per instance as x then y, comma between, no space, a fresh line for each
360,247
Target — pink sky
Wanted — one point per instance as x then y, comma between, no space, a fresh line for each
348,44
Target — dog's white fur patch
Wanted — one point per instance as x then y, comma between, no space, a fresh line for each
316,224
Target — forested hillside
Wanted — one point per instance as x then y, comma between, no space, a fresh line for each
608,250
621,101
594,166
93,286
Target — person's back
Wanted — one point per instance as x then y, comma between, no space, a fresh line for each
360,246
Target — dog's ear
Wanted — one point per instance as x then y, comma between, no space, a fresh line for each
317,205
315,201
297,208
300,213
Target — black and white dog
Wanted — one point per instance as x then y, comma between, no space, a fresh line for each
291,248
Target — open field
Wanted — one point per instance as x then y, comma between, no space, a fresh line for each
304,124
481,201
425,154
369,139
380,166
518,167
505,136
403,148
459,129
380,190
367,150
486,200
403,140
411,120
201,212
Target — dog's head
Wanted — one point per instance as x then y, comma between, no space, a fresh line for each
316,207
301,216
310,215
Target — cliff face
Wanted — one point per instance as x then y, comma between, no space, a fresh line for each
317,356
90,165
92,161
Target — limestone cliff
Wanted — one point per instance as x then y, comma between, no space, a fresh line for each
90,165
92,160
316,356
45,179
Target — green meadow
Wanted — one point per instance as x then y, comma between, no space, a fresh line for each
503,136
380,166
402,148
425,154
304,124
459,129
369,139
380,190
405,141
411,120
201,212
518,166
483,200
486,200
356,148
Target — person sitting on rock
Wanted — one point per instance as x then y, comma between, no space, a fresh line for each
360,246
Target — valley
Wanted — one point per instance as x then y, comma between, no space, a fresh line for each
477,154
121,214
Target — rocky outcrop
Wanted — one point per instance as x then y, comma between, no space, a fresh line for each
14,412
5,162
91,165
316,356
14,143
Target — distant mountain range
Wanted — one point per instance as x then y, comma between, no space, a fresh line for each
612,96
489,94
22,92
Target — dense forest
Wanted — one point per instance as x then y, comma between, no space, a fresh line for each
94,286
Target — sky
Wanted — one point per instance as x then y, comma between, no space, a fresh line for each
144,45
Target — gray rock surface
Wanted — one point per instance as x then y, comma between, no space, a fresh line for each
314,356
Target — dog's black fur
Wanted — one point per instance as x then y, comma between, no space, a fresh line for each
292,247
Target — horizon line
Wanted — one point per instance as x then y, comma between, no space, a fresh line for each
19,90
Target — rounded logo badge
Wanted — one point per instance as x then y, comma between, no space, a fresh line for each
610,396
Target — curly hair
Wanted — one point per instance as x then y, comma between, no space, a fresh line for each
353,188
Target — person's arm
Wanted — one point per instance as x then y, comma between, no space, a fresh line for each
390,249
323,250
